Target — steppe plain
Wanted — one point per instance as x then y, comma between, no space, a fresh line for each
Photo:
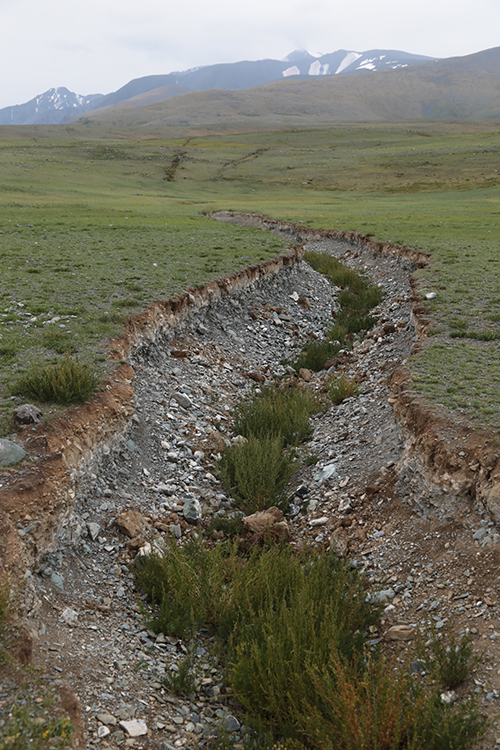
95,229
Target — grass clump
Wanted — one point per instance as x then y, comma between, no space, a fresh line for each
359,295
340,388
182,681
450,660
257,471
67,381
283,413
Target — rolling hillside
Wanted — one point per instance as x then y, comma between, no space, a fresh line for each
461,88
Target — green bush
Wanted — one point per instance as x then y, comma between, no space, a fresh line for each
276,412
65,382
340,388
293,628
448,659
358,296
182,682
257,471
315,355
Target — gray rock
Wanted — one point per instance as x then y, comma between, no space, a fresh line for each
327,472
192,511
10,453
182,400
57,580
231,724
93,529
479,534
27,414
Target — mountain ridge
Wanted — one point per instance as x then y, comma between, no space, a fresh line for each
58,104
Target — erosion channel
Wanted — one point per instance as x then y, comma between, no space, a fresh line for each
410,497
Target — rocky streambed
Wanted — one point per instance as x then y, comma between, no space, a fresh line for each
425,539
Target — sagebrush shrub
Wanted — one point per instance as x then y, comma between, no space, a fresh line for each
67,381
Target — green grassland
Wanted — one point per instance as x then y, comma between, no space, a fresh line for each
94,228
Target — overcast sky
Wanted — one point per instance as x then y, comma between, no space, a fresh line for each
96,46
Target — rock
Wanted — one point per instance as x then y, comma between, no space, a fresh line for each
268,521
93,529
449,697
400,633
10,453
103,732
258,377
107,719
70,617
319,521
345,505
57,580
305,374
132,523
339,542
27,414
327,473
231,724
192,511
135,727
182,400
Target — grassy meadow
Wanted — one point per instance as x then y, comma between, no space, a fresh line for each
95,226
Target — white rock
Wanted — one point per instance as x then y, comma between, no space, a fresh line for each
318,521
103,732
182,400
70,617
135,727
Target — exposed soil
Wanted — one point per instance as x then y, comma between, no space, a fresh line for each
410,496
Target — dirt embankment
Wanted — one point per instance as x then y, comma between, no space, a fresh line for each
38,495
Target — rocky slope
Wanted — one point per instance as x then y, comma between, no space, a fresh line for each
410,496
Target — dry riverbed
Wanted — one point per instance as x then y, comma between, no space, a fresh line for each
430,552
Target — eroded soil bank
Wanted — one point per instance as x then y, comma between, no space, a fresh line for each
412,497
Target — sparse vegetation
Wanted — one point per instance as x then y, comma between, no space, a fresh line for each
294,632
340,388
358,296
257,471
281,412
67,381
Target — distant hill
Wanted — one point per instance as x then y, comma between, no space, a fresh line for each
55,105
459,88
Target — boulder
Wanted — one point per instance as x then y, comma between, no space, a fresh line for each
132,523
10,453
27,414
339,542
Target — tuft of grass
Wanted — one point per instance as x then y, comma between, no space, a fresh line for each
283,413
358,296
257,471
316,354
59,342
182,682
340,388
67,381
230,525
450,660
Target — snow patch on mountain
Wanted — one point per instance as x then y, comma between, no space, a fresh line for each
293,71
350,58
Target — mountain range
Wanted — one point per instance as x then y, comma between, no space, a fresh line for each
59,104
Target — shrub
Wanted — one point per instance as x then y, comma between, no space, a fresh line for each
65,382
448,659
315,355
293,627
340,388
276,412
182,682
256,472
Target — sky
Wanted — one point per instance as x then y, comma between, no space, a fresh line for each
97,46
